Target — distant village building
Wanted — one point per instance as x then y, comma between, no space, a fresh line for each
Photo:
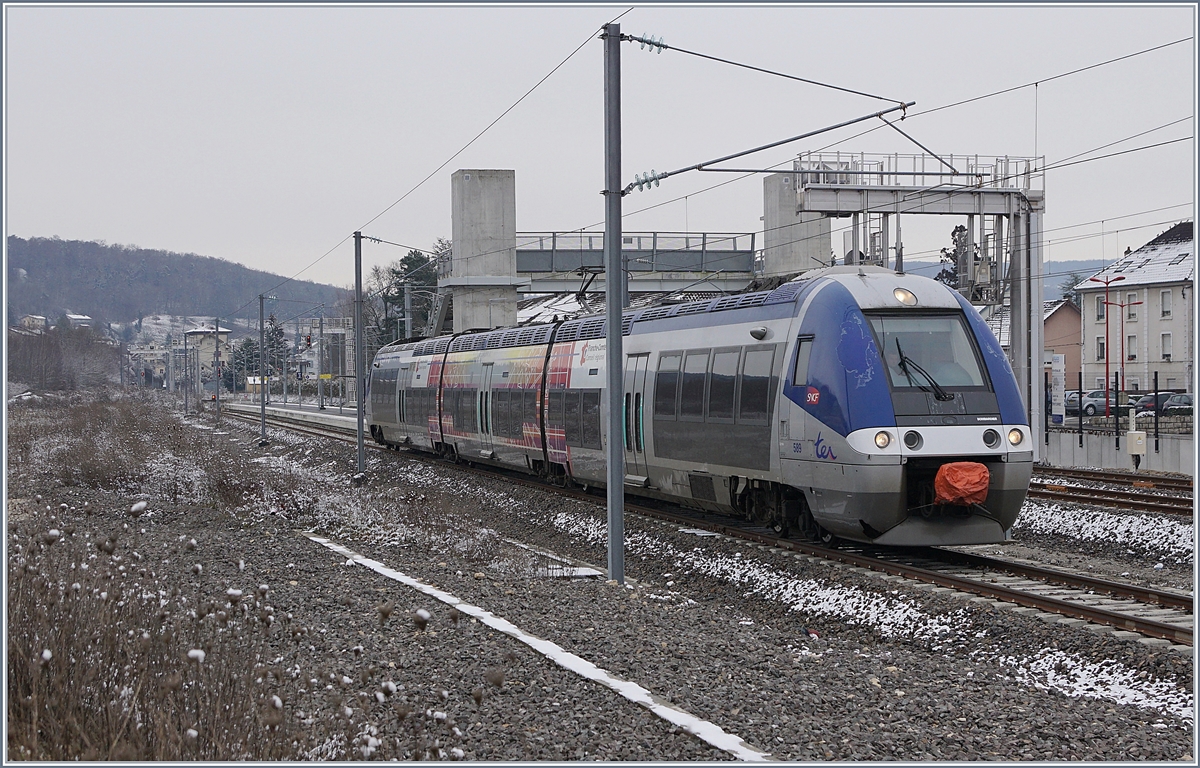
1060,336
202,344
1150,312
79,321
35,323
148,363
254,383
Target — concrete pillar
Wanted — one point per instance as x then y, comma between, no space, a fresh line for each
483,274
792,242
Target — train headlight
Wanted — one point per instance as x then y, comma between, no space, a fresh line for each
991,438
913,439
905,297
1015,436
882,439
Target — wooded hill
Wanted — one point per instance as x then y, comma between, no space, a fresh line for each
119,283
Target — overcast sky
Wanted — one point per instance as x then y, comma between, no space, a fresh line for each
265,135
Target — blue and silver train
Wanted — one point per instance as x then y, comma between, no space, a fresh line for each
825,407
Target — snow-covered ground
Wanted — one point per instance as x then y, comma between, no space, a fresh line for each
156,328
1149,535
895,615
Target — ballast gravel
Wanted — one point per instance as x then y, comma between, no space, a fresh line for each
799,659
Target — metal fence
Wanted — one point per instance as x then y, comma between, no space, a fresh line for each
645,251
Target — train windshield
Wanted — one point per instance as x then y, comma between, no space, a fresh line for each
939,345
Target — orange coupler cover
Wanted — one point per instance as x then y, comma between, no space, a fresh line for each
962,483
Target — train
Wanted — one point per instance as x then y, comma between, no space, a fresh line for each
832,407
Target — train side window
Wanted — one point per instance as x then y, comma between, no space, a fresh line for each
500,413
691,390
591,419
666,386
800,371
722,386
554,408
571,418
468,406
511,413
755,401
514,414
530,411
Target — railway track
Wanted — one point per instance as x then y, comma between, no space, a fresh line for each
1137,501
1150,612
1130,479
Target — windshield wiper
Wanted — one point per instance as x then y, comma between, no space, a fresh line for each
905,362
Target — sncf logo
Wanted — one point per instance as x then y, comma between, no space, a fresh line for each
812,396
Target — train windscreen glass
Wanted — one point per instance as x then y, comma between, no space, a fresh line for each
939,344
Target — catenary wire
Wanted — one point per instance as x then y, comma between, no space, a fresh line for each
419,184
715,186
1053,166
632,38
939,108
928,111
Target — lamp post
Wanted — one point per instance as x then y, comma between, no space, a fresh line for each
1122,309
1106,281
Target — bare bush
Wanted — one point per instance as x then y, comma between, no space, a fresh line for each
62,359
107,667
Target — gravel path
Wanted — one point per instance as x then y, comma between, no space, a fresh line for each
797,658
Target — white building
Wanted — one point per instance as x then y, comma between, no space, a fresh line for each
35,323
202,347
1148,317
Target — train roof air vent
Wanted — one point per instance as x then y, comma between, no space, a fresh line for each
568,331
656,313
693,308
541,334
592,328
784,293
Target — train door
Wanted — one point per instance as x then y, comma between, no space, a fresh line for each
484,404
634,401
403,380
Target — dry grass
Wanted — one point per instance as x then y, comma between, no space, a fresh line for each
113,654
99,667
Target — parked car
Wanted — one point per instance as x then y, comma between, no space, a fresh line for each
1093,402
1151,402
1177,404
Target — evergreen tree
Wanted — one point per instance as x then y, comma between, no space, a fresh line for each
950,258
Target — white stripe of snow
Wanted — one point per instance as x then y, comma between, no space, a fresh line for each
1156,535
1069,674
897,617
703,729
